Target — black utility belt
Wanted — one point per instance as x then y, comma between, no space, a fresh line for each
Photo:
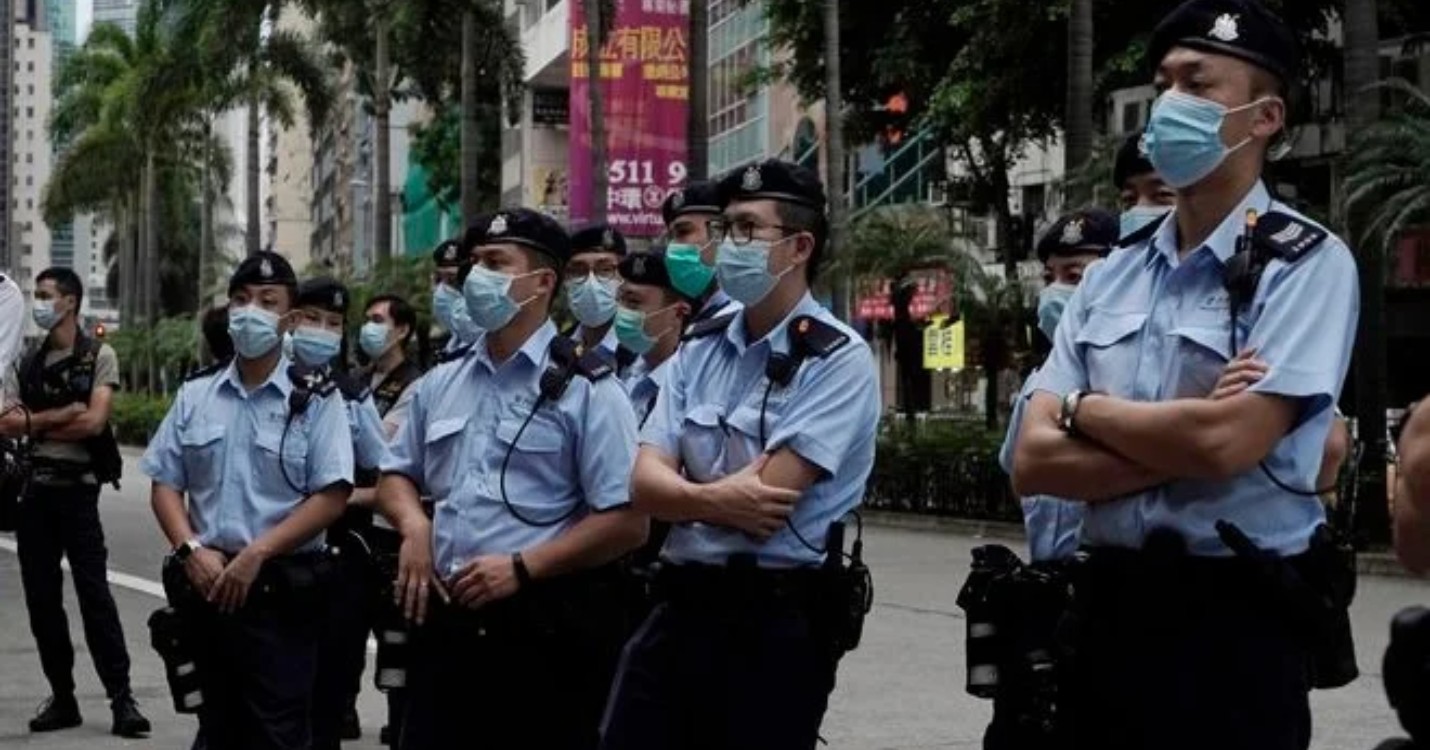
722,586
57,473
289,578
573,602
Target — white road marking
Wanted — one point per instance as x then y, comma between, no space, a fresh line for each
135,583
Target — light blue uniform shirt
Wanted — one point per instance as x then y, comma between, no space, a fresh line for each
220,444
708,418
1146,326
369,436
644,386
575,453
1052,524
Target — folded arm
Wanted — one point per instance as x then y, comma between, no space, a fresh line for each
89,422
1047,461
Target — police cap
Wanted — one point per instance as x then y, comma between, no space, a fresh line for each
1244,29
532,229
598,238
1089,231
325,294
773,180
1131,161
698,197
448,254
262,269
647,268
476,234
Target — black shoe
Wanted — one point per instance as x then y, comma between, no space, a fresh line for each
384,736
128,722
351,729
57,713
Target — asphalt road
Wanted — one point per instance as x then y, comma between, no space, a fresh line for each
902,690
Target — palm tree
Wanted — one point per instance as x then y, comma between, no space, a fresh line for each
1078,117
697,128
834,139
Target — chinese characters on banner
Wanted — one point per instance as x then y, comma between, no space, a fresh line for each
644,73
932,293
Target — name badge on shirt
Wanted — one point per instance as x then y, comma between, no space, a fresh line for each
1216,301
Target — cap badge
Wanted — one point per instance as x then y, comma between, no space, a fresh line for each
265,269
752,180
803,327
677,199
1072,233
498,225
1226,28
638,266
1142,147
337,299
608,239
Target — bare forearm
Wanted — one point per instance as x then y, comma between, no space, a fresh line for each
88,424
173,517
1049,462
598,539
1178,438
1412,528
363,497
398,502
306,521
15,424
660,492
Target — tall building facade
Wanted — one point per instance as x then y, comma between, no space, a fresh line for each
122,13
30,115
9,236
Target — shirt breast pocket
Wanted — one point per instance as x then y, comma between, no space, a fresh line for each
442,448
702,443
1110,345
1202,356
202,450
750,432
282,461
533,460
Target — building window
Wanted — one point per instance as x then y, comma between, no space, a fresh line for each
1132,117
30,42
29,111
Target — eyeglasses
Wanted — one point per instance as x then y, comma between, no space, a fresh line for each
742,231
605,271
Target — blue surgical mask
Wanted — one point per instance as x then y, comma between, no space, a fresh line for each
1051,303
1183,138
688,272
463,328
630,329
1135,219
316,347
744,271
372,339
488,296
593,300
45,314
254,331
443,298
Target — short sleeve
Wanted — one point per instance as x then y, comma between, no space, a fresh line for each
330,443
1015,424
370,447
163,460
1065,371
1308,354
834,410
662,429
12,323
607,446
106,367
404,450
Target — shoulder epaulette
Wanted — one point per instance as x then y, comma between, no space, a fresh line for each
1288,237
708,327
315,380
625,358
204,372
352,387
810,336
594,365
453,355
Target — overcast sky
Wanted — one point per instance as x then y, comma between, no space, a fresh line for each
84,14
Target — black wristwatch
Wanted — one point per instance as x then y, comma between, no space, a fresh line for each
186,550
1067,420
523,576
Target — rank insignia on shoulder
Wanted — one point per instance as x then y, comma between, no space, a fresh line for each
317,381
813,337
1287,237
452,355
208,371
708,327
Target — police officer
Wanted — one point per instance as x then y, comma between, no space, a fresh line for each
448,307
1146,198
318,343
690,257
264,455
650,319
1412,494
1183,640
525,445
60,396
592,280
761,439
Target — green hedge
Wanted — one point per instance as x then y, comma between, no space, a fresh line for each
136,416
944,468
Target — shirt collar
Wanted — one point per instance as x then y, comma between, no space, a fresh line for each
778,338
1222,241
277,379
533,350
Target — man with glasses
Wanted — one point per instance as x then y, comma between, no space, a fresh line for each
690,256
761,438
592,278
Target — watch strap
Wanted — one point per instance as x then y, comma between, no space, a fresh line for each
523,576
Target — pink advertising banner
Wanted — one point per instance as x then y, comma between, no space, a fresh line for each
644,75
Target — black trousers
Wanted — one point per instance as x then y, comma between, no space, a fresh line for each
529,672
63,522
256,667
342,651
721,678
1183,654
